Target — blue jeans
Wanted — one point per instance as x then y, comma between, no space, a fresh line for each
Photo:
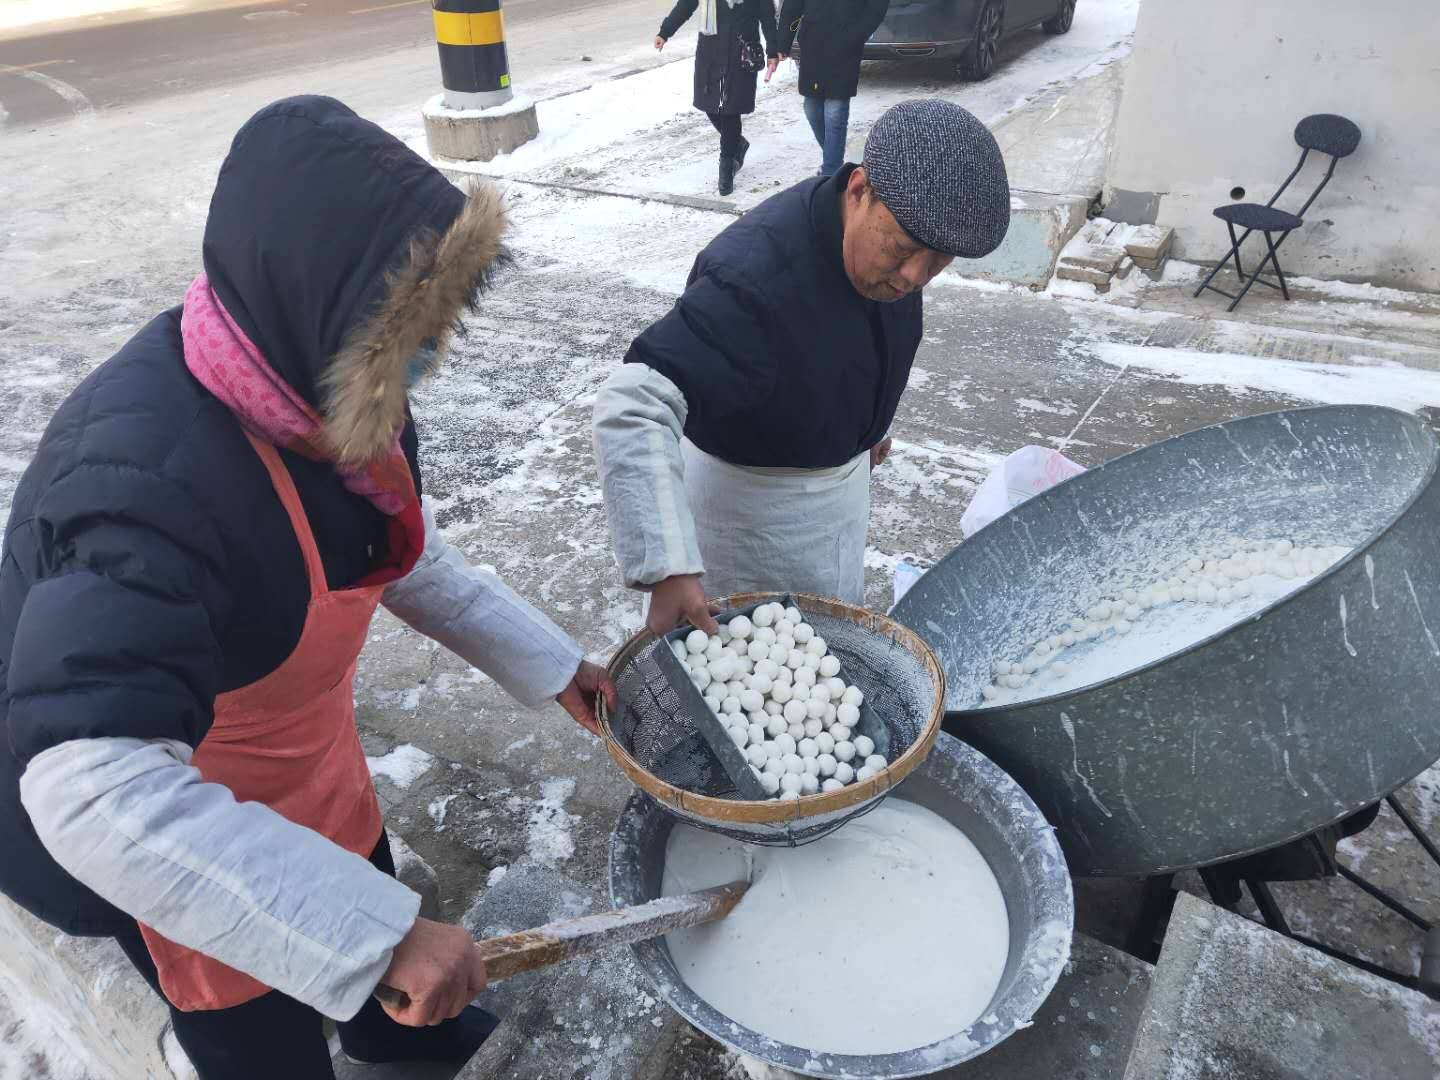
829,118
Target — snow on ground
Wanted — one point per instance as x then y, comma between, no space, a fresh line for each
1334,384
35,1042
402,766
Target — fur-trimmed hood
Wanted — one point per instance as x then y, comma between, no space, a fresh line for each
341,253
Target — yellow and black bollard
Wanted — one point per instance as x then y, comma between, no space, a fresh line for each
474,69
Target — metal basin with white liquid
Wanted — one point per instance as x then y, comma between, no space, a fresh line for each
965,788
1291,719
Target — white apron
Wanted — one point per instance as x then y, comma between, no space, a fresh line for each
780,530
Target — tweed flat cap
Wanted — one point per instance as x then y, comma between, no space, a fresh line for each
939,171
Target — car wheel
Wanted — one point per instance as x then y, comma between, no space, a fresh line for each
1063,20
979,59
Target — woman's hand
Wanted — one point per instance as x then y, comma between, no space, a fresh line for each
578,699
659,44
770,66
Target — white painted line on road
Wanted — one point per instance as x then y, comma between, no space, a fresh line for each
78,101
388,7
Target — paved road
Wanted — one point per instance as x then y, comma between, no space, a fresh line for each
50,74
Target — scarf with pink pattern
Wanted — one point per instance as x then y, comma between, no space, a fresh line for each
227,363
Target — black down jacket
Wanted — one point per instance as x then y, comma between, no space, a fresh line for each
782,363
832,37
722,83
148,565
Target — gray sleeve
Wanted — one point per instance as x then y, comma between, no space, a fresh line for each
133,820
639,421
487,624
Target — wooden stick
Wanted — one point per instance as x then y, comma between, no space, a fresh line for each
556,942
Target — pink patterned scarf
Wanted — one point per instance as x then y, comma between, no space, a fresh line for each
228,364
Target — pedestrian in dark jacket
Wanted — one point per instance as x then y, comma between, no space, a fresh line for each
726,62
189,572
737,439
832,36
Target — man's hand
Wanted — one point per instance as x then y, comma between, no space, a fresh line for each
578,699
659,44
677,599
439,969
770,66
880,451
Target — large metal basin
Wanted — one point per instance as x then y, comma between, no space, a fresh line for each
1312,709
962,786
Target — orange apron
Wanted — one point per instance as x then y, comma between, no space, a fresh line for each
288,741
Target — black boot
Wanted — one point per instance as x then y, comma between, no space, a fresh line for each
727,174
740,153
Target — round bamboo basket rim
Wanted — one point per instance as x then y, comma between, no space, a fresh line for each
775,811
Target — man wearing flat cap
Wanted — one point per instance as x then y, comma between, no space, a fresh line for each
735,443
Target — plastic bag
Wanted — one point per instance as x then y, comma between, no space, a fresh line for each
1021,476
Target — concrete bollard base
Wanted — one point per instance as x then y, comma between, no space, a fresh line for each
478,134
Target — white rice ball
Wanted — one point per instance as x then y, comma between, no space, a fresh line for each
804,677
864,745
752,700
830,785
825,741
763,616
807,748
770,782
730,706
781,693
844,750
794,659
790,783
829,666
758,651
864,773
848,714
814,728
740,736
809,785
844,772
796,731
785,743
795,711
815,712
761,683
774,708
740,627
876,762
789,796
853,696
757,755
776,726
700,678
756,730
816,646
697,641
794,763
826,764
765,635
841,732
781,655
803,633
785,640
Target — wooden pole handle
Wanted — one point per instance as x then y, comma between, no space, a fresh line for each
556,942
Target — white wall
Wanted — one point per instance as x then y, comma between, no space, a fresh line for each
1212,96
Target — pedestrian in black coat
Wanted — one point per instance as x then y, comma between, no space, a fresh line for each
727,60
832,36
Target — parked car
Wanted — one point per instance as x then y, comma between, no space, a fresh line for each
970,31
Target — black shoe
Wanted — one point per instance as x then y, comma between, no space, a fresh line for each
454,1042
740,154
727,174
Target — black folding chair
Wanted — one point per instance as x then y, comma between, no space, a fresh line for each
1323,133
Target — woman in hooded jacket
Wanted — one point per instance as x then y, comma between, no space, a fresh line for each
189,573
727,59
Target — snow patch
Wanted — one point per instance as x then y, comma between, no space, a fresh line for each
1363,383
401,766
549,826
